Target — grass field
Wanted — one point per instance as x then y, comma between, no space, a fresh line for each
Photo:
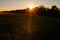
28,27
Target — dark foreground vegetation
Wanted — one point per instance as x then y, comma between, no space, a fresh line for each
17,25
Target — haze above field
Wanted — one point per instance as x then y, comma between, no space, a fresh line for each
22,4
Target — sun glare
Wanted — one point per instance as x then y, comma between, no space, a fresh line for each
31,7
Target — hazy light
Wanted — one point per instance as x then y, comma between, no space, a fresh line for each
31,7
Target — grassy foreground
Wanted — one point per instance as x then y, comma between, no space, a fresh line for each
28,27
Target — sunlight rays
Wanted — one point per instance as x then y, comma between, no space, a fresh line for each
28,24
31,7
33,12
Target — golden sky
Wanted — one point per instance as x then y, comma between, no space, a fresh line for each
22,4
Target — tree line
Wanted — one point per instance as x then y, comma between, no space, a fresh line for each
41,10
53,11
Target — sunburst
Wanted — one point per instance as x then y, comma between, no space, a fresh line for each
31,7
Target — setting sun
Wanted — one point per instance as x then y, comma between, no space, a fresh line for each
31,7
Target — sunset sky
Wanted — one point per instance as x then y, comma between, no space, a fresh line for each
22,4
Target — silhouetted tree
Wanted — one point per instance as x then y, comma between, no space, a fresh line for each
42,10
54,11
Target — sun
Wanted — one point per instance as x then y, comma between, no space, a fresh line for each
31,7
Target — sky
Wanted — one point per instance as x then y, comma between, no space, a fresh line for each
22,4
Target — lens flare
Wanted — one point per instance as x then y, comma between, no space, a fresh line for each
31,7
